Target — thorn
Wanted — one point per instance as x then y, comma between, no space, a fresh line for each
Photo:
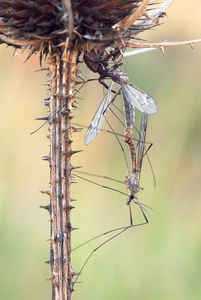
47,207
42,119
47,262
73,129
42,69
69,141
71,199
71,207
46,192
73,180
74,228
75,167
74,106
69,226
50,279
71,152
65,129
46,158
50,240
75,273
66,112
162,50
46,101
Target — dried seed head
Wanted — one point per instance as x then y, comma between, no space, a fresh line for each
45,26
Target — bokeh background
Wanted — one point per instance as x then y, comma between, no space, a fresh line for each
161,260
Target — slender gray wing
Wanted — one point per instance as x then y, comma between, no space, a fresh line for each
156,13
139,99
142,138
99,117
161,9
138,51
129,113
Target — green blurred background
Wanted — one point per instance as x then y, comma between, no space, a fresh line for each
161,260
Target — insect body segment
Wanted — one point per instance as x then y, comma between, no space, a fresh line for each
133,185
133,180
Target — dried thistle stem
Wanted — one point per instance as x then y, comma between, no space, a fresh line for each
63,70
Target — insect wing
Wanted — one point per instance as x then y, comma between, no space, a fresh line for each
129,113
139,99
99,117
161,9
142,137
138,51
156,13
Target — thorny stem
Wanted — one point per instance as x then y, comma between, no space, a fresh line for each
63,72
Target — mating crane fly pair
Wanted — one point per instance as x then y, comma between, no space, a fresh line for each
133,98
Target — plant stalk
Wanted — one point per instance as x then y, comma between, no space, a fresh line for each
63,73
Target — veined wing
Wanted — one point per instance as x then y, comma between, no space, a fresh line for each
156,13
129,113
139,99
161,9
142,137
142,151
99,117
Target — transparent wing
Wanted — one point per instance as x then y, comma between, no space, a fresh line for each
139,99
156,13
99,117
129,113
161,9
138,51
142,137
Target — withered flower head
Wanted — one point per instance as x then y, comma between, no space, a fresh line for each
45,26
